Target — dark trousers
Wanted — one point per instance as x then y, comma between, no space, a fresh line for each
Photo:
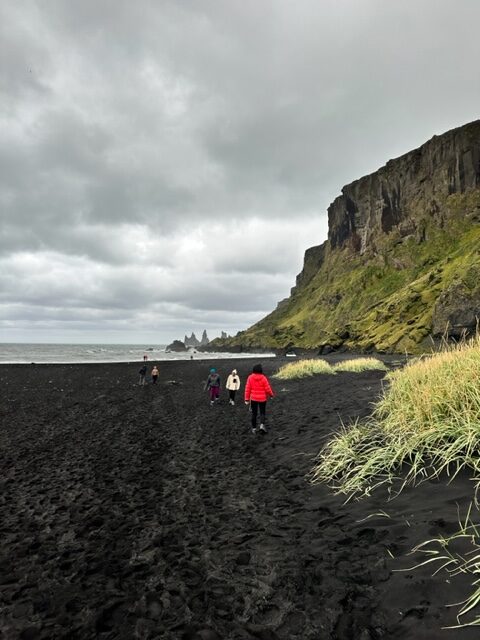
231,393
255,406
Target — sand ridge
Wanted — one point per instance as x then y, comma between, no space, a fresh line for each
131,512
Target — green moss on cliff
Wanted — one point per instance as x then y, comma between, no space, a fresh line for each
382,300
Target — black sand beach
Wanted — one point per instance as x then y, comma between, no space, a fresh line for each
129,512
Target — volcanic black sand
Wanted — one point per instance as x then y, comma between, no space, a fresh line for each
130,512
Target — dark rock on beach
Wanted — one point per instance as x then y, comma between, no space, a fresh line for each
142,512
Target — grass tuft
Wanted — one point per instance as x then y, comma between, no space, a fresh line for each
426,423
361,364
303,369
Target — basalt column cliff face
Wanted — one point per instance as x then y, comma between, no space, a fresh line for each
401,265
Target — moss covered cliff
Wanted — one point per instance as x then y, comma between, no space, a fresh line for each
401,265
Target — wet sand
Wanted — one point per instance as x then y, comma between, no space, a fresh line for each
142,512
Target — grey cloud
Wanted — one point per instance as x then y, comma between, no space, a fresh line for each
142,142
19,77
231,296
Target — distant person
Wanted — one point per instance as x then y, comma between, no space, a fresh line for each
154,375
143,373
257,392
145,357
212,385
233,385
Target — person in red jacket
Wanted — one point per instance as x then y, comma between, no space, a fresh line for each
257,392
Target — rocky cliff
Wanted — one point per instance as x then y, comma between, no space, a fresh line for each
401,265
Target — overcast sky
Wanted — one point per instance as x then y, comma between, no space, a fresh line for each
165,164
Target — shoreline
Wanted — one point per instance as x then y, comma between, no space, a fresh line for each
149,362
77,354
388,359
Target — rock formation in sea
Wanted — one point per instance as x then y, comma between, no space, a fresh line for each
401,265
176,345
191,341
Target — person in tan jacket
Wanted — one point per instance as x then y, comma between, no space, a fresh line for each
233,385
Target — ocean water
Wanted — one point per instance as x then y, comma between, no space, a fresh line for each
11,353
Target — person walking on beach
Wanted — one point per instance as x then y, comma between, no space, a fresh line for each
143,373
257,392
154,375
213,385
145,357
233,385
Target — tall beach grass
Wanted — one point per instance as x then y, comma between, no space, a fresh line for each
310,367
356,365
426,422
303,369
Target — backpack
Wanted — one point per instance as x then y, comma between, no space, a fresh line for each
214,380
